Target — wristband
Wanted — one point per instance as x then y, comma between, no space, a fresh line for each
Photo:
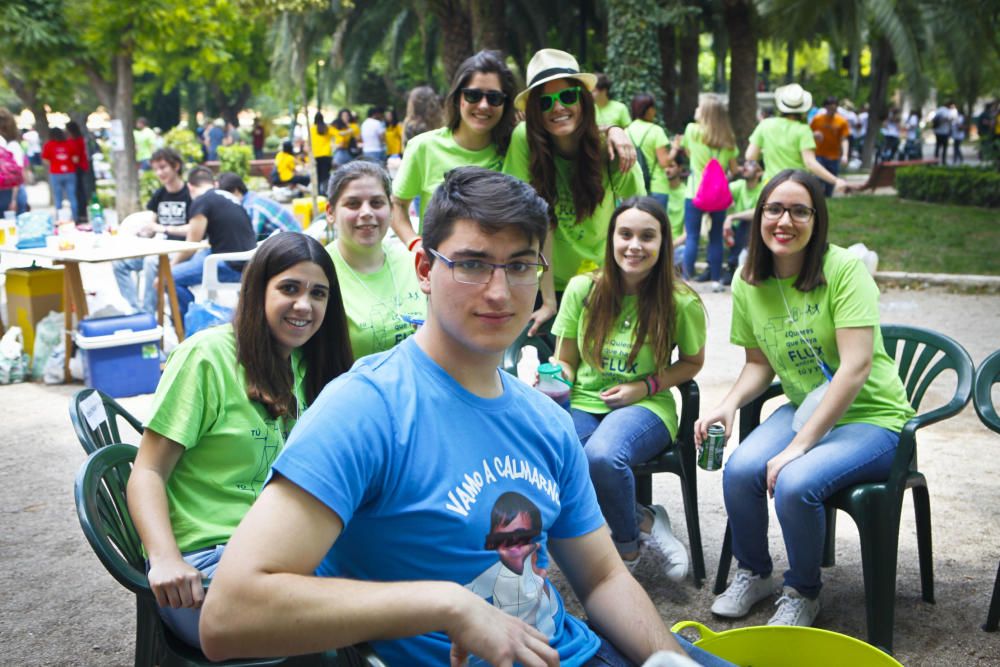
415,241
649,386
654,385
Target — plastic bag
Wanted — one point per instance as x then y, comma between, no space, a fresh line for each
48,333
13,360
52,373
33,228
868,257
204,315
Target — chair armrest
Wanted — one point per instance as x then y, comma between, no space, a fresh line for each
750,413
210,270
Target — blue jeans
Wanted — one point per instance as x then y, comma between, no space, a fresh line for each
183,621
342,156
188,274
64,187
832,166
740,234
661,197
149,268
608,655
613,443
692,227
375,156
849,454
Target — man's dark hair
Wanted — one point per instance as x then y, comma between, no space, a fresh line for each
508,506
494,201
603,83
374,111
201,175
231,182
286,146
170,156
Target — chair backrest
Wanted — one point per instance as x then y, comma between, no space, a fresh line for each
95,417
987,375
210,272
512,354
104,516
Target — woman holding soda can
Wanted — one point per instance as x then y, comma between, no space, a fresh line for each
808,312
616,329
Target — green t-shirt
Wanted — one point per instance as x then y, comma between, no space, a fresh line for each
689,336
428,157
648,137
374,301
229,441
744,197
614,113
781,141
699,154
578,246
675,208
849,299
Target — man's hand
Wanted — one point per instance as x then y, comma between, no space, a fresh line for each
544,313
498,638
176,584
620,146
622,395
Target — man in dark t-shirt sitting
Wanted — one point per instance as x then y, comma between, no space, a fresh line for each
170,204
226,226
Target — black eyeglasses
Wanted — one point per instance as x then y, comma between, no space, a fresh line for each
494,98
478,272
798,212
567,97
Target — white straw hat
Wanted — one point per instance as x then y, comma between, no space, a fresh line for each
548,65
793,98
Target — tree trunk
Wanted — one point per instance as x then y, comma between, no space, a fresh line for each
28,94
789,62
230,105
488,24
668,73
687,91
742,68
126,170
313,171
882,64
456,33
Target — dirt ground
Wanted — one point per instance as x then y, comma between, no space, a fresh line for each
58,606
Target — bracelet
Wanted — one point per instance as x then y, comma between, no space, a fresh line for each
652,384
649,386
415,241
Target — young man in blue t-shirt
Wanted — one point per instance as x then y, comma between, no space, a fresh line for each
420,498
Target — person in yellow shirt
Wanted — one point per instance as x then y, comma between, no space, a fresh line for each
393,134
343,132
321,134
284,168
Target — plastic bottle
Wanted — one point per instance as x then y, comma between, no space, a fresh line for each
96,214
528,365
553,384
812,400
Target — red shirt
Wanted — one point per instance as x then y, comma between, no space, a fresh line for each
60,156
80,147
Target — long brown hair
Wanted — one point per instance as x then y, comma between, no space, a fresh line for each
484,62
657,313
586,182
760,260
325,356
713,121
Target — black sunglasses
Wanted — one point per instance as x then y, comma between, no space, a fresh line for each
494,98
567,97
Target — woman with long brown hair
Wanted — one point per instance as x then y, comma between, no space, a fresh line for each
616,330
228,398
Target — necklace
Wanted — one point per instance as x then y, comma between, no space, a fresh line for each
357,278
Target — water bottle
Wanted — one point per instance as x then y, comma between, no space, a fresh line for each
553,384
812,400
96,214
528,365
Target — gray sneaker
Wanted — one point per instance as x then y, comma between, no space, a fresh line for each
661,539
794,609
746,590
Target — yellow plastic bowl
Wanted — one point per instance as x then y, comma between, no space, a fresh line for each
788,646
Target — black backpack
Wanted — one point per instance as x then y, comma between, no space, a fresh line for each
647,177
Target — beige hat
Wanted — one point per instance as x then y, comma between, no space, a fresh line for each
548,65
793,98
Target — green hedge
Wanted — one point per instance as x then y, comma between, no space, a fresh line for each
967,186
236,158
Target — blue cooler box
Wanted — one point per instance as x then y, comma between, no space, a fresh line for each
121,355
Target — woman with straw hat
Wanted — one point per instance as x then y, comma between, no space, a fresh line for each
562,153
786,141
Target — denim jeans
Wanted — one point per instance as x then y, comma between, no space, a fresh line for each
375,156
740,234
613,443
692,227
183,621
64,187
661,197
849,454
187,274
832,166
149,268
609,656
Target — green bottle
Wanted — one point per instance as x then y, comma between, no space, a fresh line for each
96,215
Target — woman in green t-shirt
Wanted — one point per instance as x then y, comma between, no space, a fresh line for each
808,312
228,397
378,284
651,140
616,331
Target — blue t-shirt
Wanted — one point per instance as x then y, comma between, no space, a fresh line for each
435,483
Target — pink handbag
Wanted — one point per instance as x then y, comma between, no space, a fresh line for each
713,191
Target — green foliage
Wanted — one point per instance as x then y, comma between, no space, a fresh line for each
148,184
236,158
966,186
186,143
633,51
106,196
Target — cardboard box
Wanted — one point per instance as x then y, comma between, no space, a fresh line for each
32,293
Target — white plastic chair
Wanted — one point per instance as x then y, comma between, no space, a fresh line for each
210,273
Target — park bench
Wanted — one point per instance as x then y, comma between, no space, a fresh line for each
883,174
260,168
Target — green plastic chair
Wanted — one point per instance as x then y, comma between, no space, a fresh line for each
107,432
104,517
982,397
678,458
921,356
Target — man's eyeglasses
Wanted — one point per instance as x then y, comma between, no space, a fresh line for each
494,98
799,212
478,272
567,97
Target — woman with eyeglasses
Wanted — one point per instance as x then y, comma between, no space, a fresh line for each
616,329
479,119
579,171
381,295
806,311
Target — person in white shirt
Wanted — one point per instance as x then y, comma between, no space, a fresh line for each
373,136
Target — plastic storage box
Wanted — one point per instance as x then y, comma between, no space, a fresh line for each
121,355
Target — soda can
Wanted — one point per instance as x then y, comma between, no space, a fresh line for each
712,448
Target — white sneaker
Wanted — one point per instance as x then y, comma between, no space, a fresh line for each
633,564
794,609
661,539
746,590
718,286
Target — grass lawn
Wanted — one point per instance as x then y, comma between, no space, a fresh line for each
917,236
